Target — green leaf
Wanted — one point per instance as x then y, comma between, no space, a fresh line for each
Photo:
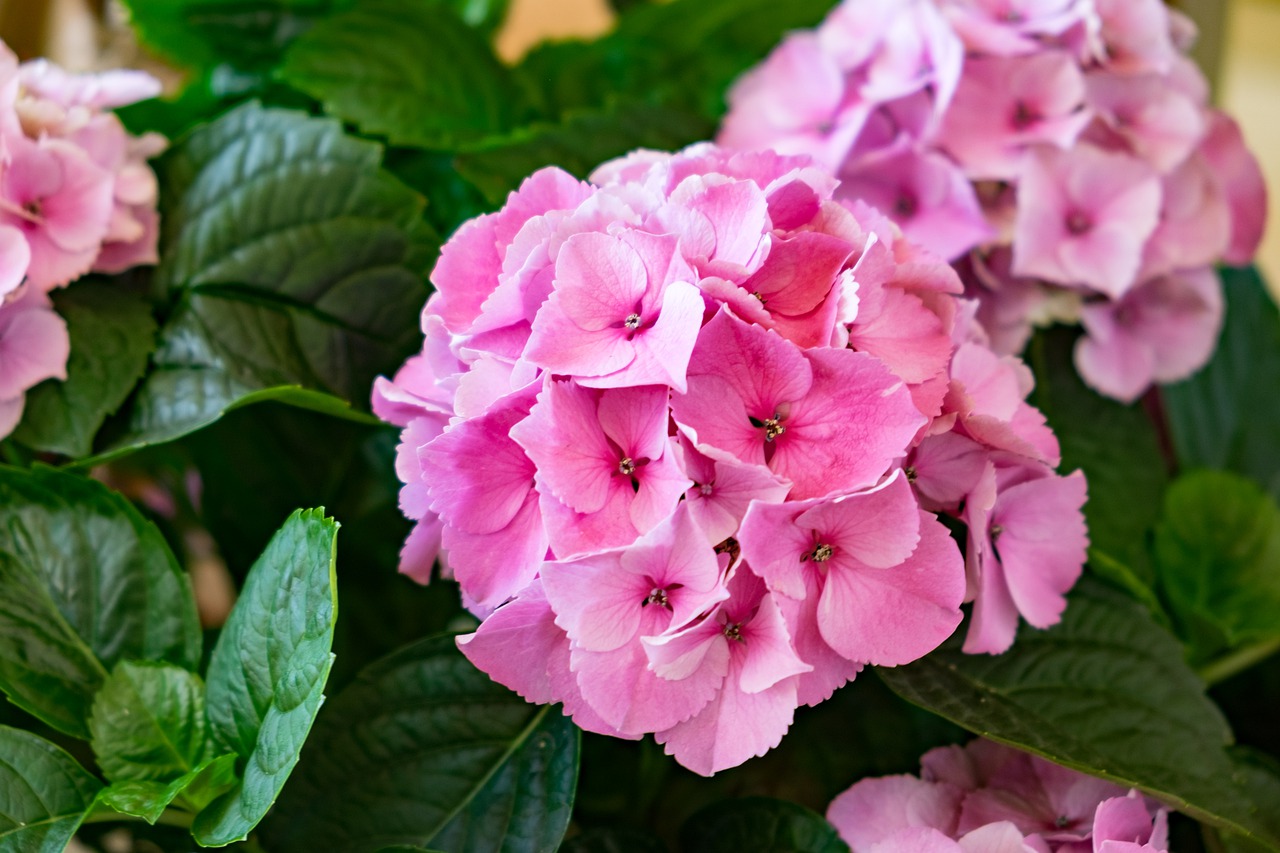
44,794
267,673
475,767
1218,557
112,333
760,825
148,723
1219,418
89,583
190,792
431,82
205,33
1115,445
299,263
577,144
1105,692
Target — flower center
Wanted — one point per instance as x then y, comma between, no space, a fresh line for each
911,473
996,530
820,553
1079,222
733,631
906,205
1024,116
626,467
632,322
773,427
658,595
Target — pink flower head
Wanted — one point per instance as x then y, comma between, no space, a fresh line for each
1068,143
655,433
988,798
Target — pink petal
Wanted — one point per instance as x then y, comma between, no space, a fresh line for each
565,442
34,346
514,645
492,567
894,616
632,698
879,528
596,601
875,809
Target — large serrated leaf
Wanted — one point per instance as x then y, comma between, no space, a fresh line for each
1105,692
423,749
267,674
431,82
44,794
299,263
759,825
112,333
1225,416
90,583
148,723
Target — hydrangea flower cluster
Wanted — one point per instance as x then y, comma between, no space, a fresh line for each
1064,149
681,433
76,195
988,798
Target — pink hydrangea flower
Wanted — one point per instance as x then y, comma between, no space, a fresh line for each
984,797
657,433
1065,150
76,195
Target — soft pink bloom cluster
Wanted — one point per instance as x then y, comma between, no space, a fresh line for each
988,798
76,195
1064,149
681,434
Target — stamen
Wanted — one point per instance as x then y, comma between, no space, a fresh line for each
911,474
760,296
626,467
706,489
1062,822
733,631
773,427
632,321
657,596
820,553
1078,223
996,530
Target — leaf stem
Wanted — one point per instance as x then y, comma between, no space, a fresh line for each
169,817
1238,661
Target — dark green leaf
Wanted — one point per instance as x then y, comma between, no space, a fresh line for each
431,80
1226,416
759,825
191,792
614,841
299,263
1115,445
112,333
1218,557
267,674
578,144
423,749
44,794
92,584
1105,692
148,723
247,34
485,15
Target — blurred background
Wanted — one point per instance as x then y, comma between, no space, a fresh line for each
1239,49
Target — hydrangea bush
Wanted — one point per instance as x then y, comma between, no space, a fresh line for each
1065,151
689,491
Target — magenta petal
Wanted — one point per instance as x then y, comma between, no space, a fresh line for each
723,489
515,643
632,698
875,809
733,727
770,657
773,543
893,616
563,438
596,601
855,420
659,486
1042,544
493,567
879,528
477,476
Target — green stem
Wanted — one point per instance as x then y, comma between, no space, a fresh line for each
1238,661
